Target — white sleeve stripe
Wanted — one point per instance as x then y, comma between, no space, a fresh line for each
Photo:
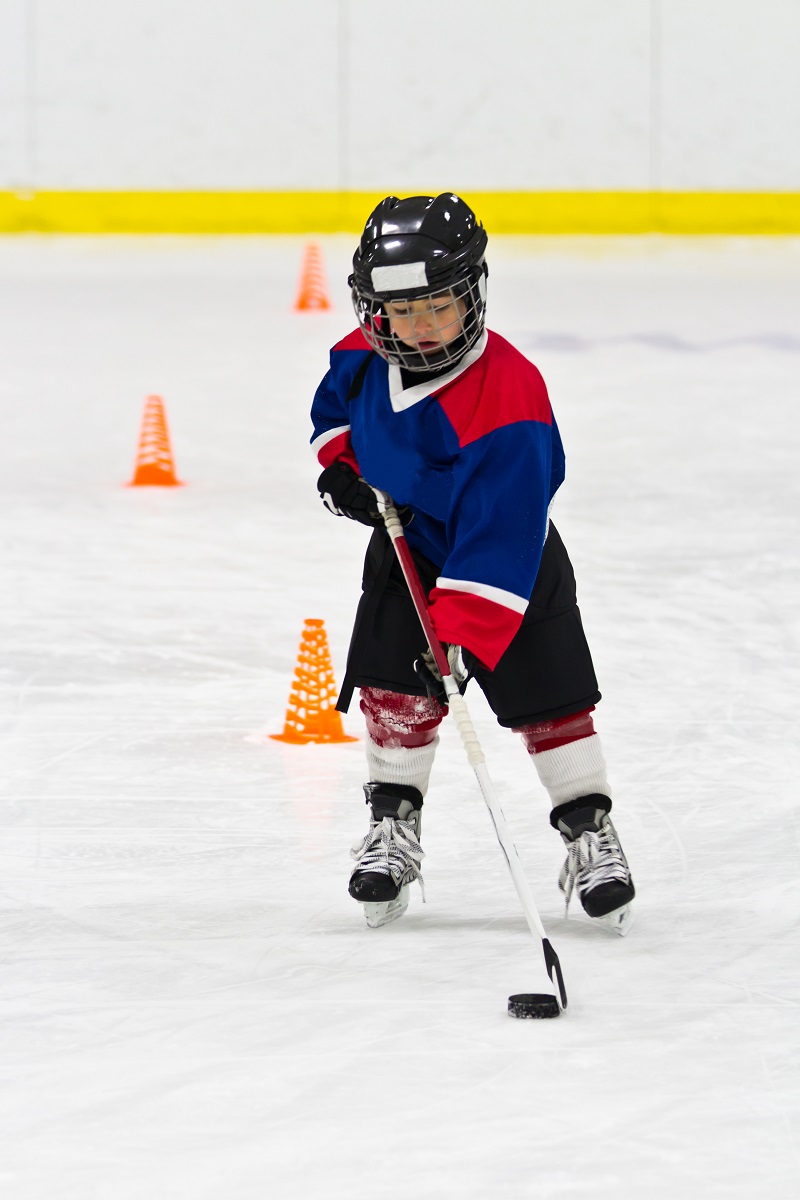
516,603
323,439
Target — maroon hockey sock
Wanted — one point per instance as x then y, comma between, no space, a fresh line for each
547,735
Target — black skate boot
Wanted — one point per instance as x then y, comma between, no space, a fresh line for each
596,864
388,858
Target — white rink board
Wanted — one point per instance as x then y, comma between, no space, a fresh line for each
238,95
190,1004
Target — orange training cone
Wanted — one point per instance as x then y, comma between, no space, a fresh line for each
312,292
310,715
154,464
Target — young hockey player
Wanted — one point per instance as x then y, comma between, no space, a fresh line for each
424,403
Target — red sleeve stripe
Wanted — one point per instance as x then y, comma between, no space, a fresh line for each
486,591
483,627
331,445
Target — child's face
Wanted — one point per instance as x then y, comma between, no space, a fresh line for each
427,324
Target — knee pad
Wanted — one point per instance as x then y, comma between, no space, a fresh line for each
395,719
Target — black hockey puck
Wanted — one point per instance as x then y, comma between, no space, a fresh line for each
535,1006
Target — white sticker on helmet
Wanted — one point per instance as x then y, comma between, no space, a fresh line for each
399,276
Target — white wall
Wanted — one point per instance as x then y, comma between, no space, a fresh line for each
422,94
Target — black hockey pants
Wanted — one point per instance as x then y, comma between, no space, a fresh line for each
545,673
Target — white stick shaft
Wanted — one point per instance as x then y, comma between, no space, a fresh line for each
459,711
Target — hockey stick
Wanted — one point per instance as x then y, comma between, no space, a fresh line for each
527,1004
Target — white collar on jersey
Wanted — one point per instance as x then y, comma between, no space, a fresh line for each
405,398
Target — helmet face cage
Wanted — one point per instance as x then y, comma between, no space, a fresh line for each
424,331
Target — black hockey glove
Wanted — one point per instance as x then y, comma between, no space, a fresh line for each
428,673
347,495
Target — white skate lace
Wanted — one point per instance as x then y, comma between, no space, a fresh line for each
593,859
391,848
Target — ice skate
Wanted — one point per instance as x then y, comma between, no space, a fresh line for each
596,865
388,858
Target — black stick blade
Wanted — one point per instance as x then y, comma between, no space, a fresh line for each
533,1006
554,968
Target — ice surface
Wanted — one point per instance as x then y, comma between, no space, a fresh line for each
191,1005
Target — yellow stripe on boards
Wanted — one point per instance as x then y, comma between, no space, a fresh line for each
185,212
639,212
334,212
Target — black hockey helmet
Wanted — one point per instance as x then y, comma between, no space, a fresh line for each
428,251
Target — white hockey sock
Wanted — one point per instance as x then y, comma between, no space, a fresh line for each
577,769
401,764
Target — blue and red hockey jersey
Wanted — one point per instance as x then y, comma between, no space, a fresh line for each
475,453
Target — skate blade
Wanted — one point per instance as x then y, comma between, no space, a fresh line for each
619,921
386,911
